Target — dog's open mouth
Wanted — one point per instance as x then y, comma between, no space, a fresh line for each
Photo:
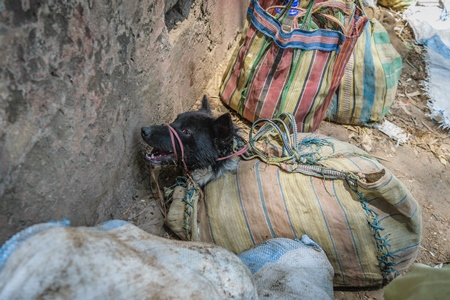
159,157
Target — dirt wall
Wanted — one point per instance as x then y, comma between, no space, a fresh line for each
77,81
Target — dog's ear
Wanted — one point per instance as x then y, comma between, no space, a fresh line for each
205,105
224,129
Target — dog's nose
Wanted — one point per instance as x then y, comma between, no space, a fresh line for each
145,131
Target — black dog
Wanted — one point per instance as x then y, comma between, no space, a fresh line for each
206,143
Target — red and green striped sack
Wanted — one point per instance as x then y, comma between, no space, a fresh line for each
369,85
274,70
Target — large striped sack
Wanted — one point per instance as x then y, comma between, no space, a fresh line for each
295,66
361,215
369,84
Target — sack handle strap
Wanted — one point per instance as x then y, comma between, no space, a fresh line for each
282,127
284,130
313,9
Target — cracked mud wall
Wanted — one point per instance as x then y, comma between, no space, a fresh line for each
77,81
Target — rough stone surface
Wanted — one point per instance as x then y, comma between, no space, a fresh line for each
77,81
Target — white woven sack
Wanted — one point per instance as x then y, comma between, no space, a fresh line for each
290,269
117,261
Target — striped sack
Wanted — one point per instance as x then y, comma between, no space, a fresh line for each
362,216
369,85
296,71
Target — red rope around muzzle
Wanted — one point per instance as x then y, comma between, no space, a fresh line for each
174,135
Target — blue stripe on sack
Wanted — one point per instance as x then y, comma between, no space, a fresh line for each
11,245
382,186
399,214
436,44
355,164
263,201
334,104
390,216
328,229
366,159
284,202
406,248
401,200
406,259
370,160
271,251
414,212
242,207
111,224
349,230
295,32
368,79
392,72
382,37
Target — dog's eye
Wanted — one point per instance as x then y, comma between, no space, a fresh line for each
186,132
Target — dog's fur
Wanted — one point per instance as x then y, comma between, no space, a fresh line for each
204,138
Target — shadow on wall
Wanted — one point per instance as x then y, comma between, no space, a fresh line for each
77,80
176,12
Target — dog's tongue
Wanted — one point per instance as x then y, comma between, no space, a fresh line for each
158,156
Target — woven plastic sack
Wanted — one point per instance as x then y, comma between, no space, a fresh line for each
362,216
369,85
183,198
116,260
295,70
290,269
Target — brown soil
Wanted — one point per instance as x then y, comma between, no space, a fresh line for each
422,163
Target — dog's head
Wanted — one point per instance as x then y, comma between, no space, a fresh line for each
204,139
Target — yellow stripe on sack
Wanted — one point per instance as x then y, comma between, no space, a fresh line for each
235,237
304,211
362,239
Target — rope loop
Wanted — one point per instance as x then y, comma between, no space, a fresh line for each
281,135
